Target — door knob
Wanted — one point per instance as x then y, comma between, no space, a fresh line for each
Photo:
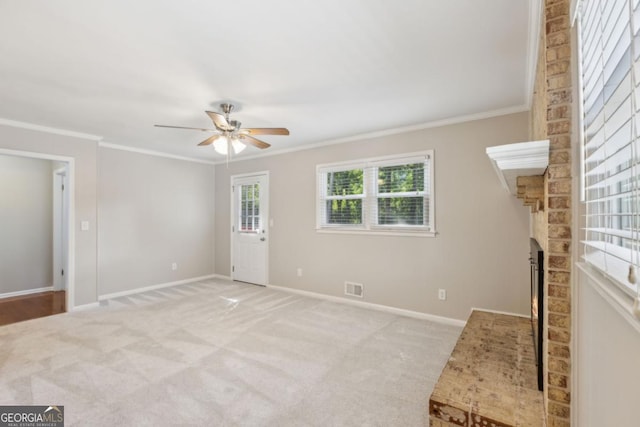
262,239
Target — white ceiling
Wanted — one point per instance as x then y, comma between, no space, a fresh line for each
327,70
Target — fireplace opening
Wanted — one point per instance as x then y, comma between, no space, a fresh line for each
537,304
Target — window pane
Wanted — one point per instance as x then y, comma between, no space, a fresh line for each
344,211
249,208
400,179
401,211
345,183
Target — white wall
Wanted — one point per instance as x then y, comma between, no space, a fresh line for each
480,255
605,355
84,151
153,211
26,224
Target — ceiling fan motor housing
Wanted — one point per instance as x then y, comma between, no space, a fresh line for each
226,108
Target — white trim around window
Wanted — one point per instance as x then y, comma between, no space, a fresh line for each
391,196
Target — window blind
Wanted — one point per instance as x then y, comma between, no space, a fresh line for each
610,72
342,191
383,194
401,192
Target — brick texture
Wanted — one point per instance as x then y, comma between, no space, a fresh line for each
551,119
490,378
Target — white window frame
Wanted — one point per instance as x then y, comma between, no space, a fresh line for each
608,258
370,196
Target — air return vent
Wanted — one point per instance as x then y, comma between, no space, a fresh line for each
353,289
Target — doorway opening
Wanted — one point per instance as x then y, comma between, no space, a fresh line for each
57,292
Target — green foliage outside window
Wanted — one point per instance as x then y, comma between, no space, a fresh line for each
401,210
401,179
400,198
249,207
345,183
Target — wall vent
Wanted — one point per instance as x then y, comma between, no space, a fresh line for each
353,289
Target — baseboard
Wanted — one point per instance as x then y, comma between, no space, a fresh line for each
86,307
26,292
507,313
153,287
361,304
372,306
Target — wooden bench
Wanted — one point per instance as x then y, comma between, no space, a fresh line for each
490,379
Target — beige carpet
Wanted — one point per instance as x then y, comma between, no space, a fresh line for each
218,353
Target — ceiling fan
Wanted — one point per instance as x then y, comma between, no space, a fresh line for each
229,135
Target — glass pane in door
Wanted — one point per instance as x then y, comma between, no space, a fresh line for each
249,211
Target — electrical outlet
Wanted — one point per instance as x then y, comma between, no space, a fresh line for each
299,272
174,266
442,294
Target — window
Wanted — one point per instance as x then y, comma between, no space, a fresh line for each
249,220
344,195
386,195
610,72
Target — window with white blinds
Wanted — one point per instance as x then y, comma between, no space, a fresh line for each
342,196
391,194
610,72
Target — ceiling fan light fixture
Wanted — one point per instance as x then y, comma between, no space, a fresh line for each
237,146
221,145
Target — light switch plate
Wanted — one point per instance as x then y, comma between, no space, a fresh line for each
84,226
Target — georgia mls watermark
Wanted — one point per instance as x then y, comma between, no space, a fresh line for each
31,416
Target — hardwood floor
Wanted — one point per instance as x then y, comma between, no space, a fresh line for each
17,309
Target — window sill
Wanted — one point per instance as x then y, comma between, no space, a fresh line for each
613,295
400,233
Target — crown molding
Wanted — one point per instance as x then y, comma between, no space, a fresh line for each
46,129
152,153
388,132
353,138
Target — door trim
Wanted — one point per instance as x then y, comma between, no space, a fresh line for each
232,220
71,249
60,224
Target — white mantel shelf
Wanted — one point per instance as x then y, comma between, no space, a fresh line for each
520,159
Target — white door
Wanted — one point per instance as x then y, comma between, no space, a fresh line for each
60,229
249,228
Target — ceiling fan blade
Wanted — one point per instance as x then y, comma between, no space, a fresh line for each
210,140
255,142
265,131
184,127
219,120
